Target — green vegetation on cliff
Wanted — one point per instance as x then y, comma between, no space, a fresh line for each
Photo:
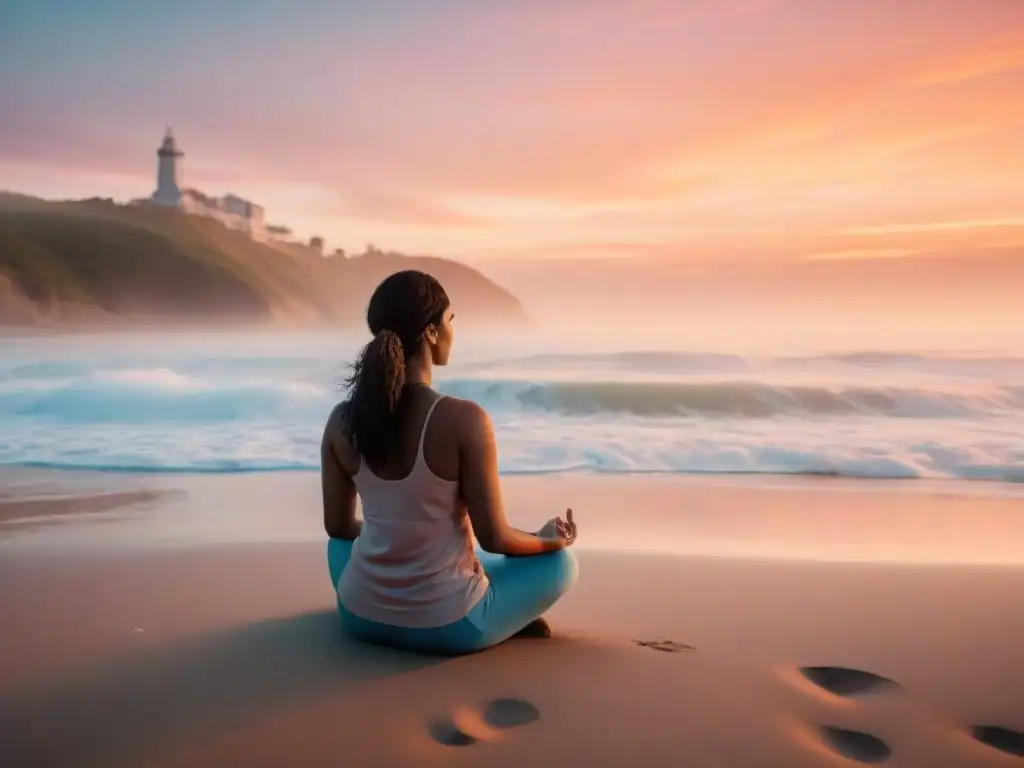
95,261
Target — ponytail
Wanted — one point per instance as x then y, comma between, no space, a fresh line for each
371,414
400,310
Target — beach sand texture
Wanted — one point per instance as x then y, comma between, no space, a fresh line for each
188,621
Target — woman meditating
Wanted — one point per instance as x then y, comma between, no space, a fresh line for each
425,467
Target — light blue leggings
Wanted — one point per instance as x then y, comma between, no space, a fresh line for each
520,590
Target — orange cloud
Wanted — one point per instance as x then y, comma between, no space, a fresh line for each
380,205
939,226
989,60
862,253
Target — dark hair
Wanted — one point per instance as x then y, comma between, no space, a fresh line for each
398,314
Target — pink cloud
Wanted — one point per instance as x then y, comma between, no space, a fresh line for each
380,205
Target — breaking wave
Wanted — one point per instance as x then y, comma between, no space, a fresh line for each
864,415
741,399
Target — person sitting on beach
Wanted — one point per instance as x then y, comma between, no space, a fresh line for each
425,467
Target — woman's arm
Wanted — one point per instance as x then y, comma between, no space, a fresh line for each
478,476
339,491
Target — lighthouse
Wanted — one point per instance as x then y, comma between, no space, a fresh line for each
167,191
232,211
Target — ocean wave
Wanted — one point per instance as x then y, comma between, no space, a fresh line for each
738,399
167,395
710,414
540,443
158,395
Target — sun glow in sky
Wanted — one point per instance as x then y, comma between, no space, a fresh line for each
819,129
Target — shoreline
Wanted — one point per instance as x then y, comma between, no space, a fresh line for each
833,481
748,517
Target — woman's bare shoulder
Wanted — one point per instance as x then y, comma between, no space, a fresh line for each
334,421
463,416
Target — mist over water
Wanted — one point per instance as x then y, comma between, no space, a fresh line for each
778,306
561,403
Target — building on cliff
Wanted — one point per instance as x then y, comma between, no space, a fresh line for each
231,210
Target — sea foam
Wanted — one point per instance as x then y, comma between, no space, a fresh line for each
200,409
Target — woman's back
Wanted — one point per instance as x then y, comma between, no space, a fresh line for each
413,563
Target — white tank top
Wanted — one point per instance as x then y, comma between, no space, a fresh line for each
413,563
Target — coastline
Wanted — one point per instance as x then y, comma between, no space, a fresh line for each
194,625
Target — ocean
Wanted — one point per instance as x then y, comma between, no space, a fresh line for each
223,403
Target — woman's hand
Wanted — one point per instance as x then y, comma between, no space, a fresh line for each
557,528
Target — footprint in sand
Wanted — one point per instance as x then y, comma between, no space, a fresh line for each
856,745
467,727
1004,739
846,682
445,732
510,713
665,646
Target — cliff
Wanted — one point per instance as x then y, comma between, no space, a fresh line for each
98,263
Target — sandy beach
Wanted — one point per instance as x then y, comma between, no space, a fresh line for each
167,620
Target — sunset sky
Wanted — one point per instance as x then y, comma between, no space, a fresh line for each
696,128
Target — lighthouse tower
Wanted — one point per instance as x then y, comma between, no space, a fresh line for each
167,191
